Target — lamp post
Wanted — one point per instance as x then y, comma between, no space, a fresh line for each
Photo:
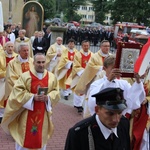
10,11
1,15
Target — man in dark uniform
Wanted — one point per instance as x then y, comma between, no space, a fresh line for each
107,129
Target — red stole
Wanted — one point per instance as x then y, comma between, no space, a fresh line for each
85,59
25,66
8,60
139,124
34,125
70,57
103,59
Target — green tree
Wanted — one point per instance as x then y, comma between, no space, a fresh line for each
129,11
49,8
72,6
100,10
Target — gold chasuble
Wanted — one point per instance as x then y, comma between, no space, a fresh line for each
70,57
14,70
33,131
30,128
4,60
27,41
89,75
80,62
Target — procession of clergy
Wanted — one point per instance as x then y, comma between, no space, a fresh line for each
78,72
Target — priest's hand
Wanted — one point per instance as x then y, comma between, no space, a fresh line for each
137,77
42,98
59,55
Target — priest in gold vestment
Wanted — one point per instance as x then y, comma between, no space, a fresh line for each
23,39
65,67
81,59
53,55
16,67
5,57
28,113
93,71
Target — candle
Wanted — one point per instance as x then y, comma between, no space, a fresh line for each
1,15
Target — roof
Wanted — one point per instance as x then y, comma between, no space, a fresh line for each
142,32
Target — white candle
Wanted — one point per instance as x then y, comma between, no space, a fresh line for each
1,15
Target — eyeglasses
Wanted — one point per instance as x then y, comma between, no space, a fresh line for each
106,45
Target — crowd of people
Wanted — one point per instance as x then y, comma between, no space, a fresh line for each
33,73
92,34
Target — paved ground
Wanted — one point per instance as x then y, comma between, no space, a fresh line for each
64,117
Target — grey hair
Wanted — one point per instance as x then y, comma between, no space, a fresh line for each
21,45
59,38
23,31
9,42
104,41
37,54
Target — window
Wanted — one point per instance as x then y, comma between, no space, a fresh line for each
90,16
90,8
84,8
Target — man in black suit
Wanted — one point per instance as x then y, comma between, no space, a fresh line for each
105,130
39,44
47,36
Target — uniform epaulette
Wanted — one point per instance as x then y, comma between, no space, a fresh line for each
82,126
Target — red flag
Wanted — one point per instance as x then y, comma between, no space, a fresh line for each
143,61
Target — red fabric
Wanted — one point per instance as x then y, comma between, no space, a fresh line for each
143,59
71,58
85,60
103,59
128,115
34,125
2,42
139,124
25,67
5,102
8,60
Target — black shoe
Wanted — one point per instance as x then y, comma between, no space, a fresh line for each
66,97
80,109
1,119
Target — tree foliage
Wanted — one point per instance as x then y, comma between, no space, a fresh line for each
49,8
70,12
100,10
123,10
131,11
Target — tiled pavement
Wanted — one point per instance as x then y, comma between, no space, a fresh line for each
64,117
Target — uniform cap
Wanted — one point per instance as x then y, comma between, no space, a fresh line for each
111,98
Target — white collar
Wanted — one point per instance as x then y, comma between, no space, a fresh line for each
58,45
40,75
102,54
22,60
105,131
8,55
70,50
85,53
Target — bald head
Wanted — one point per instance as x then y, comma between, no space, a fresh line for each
59,40
9,47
